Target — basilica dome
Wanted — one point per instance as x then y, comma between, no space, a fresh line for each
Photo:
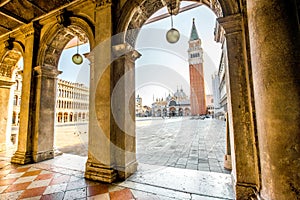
179,94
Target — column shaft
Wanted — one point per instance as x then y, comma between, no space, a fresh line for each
23,154
275,55
43,136
241,127
123,110
100,165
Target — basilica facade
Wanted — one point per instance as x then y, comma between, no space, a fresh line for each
177,104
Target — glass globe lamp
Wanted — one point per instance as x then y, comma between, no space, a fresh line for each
173,35
77,59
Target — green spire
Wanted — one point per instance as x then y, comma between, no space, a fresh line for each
194,34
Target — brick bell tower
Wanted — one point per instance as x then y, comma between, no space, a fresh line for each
197,87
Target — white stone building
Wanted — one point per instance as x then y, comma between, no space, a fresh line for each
72,102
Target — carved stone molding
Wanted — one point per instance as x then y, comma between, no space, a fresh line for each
172,5
30,29
100,4
6,83
231,23
6,70
47,71
125,50
216,7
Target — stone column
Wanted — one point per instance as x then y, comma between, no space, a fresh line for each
44,118
100,164
123,109
6,112
245,170
227,157
23,154
275,55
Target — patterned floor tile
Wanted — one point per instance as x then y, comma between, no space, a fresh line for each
53,196
3,173
32,169
4,182
56,188
46,172
77,184
124,194
32,198
38,191
18,170
2,188
59,178
25,179
39,183
15,175
11,195
75,194
31,173
96,189
44,176
17,187
100,197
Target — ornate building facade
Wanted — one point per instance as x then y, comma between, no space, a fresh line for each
177,104
197,87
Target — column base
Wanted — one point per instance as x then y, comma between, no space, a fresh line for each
128,170
43,155
99,172
21,158
246,191
227,162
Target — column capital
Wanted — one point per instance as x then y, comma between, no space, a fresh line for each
47,71
30,29
6,82
231,23
125,49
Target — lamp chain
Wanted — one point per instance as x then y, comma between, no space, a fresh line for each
77,44
171,15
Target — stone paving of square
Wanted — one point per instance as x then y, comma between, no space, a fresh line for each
183,142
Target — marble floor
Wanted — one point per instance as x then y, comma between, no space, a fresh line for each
63,178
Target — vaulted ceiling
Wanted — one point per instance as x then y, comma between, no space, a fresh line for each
15,13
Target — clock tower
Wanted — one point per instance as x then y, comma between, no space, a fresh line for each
195,53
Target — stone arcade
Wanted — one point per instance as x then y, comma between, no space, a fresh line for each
262,39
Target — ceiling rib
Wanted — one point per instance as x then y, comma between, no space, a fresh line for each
4,3
13,16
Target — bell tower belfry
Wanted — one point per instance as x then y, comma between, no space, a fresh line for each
195,53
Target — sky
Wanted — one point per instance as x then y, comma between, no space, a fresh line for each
163,67
72,72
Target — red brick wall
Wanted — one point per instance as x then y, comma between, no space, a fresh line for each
197,97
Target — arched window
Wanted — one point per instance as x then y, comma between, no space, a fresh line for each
65,117
16,100
71,117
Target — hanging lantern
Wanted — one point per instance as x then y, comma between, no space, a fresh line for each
173,34
77,58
